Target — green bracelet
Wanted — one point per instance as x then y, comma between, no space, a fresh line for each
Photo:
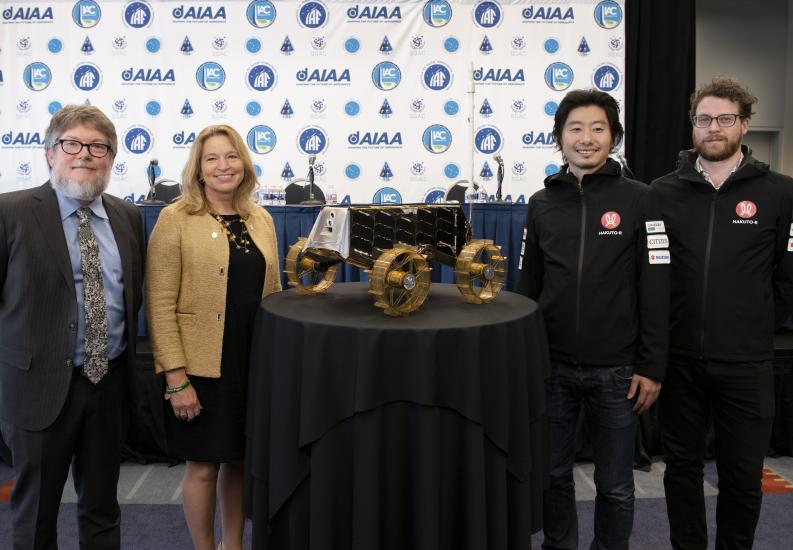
176,389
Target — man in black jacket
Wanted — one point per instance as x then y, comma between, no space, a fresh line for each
729,223
596,257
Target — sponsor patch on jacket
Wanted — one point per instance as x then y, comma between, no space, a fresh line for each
791,229
657,226
657,241
659,256
790,245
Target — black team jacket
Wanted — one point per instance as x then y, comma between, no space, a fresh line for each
596,258
732,275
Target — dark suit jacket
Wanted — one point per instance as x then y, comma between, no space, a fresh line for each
38,306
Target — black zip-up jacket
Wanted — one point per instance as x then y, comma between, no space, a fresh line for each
732,276
603,293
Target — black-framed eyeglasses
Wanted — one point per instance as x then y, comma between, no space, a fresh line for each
73,147
725,120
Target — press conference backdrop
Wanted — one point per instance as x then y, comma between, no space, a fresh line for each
397,100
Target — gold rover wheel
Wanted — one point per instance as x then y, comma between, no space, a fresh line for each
399,280
304,273
479,271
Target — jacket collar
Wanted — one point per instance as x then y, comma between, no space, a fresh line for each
611,169
749,168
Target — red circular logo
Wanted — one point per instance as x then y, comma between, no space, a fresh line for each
610,220
746,209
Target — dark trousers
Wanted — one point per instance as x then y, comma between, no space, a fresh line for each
739,397
88,435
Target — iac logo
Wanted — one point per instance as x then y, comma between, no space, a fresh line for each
137,140
536,140
138,14
312,140
386,75
387,195
374,14
183,139
22,139
312,14
27,15
437,139
487,14
488,140
437,76
194,14
374,140
261,77
37,76
261,13
148,76
543,14
86,77
261,139
210,76
437,13
499,76
608,14
559,76
86,14
322,76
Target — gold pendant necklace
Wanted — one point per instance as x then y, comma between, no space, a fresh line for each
242,241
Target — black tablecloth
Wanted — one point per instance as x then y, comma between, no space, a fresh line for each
366,431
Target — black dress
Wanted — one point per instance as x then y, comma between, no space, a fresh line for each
218,433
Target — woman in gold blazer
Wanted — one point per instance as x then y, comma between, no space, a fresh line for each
212,257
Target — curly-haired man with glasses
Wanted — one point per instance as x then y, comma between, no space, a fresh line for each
730,224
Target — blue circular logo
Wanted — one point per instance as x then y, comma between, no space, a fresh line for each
606,77
551,45
137,140
352,171
352,108
253,45
435,196
86,77
261,77
451,171
137,14
550,108
210,76
55,45
451,107
153,108
86,14
559,76
437,76
261,139
437,139
387,195
437,13
260,13
451,44
487,140
608,14
551,169
487,14
153,45
54,107
257,170
253,108
37,76
386,75
312,140
312,14
352,45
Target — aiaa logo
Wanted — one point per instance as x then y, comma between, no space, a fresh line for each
499,76
137,14
37,76
610,220
538,139
22,139
488,140
374,140
86,77
374,13
437,76
437,13
86,14
261,139
386,75
182,139
210,76
606,77
559,76
323,76
261,77
487,14
608,14
148,76
312,14
437,139
137,140
27,15
387,195
543,14
312,140
261,13
199,14
746,209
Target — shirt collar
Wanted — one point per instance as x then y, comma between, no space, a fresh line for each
704,173
69,206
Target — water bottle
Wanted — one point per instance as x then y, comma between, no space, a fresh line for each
280,196
330,195
482,194
471,196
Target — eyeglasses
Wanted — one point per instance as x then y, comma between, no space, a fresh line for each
73,147
725,120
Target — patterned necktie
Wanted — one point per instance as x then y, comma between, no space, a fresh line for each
95,365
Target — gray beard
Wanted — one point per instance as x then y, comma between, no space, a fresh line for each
80,191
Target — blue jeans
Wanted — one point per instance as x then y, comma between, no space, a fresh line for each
612,427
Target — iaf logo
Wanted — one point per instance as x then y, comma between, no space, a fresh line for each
386,75
606,77
261,77
86,14
261,139
261,13
312,140
210,76
138,14
37,76
487,14
488,140
137,140
437,76
437,139
608,14
312,14
559,76
86,77
435,195
437,13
